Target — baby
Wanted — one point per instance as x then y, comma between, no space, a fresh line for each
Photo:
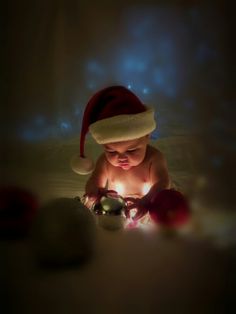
122,124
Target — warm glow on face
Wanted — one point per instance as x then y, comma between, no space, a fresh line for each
119,188
146,188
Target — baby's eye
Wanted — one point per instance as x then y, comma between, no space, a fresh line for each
132,150
111,152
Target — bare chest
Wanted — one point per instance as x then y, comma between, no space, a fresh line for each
134,182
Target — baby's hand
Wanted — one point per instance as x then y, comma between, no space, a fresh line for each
140,204
95,195
92,196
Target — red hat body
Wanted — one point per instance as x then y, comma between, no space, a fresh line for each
113,114
109,102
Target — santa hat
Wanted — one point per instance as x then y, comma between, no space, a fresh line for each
113,114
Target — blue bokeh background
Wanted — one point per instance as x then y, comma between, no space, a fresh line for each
175,57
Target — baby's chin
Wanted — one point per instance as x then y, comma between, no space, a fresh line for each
125,167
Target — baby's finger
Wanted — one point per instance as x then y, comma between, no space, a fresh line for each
131,199
89,202
127,213
139,214
102,192
112,193
131,206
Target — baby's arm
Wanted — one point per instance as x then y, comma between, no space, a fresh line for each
159,179
97,181
159,175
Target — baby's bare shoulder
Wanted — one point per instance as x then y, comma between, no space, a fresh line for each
101,162
154,154
101,158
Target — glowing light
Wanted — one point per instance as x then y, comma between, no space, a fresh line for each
132,64
119,188
91,85
94,67
145,90
65,125
106,207
146,188
133,212
78,110
144,223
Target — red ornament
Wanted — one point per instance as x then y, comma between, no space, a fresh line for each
17,210
169,208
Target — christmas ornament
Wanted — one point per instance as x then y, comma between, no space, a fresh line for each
18,207
63,233
169,208
110,211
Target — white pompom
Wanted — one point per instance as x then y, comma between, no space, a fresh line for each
81,165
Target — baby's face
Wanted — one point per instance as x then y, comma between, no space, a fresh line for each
126,154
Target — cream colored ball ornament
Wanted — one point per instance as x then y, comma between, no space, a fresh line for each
63,233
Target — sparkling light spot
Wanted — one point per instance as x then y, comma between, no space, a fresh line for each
94,67
145,90
65,125
91,85
119,188
146,188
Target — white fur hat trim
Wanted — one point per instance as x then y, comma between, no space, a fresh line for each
123,127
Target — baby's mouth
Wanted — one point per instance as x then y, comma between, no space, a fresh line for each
123,164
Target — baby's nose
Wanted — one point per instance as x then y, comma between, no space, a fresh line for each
122,157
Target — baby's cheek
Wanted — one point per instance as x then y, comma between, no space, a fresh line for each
112,160
137,157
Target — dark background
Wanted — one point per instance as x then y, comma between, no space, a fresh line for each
178,57
175,55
